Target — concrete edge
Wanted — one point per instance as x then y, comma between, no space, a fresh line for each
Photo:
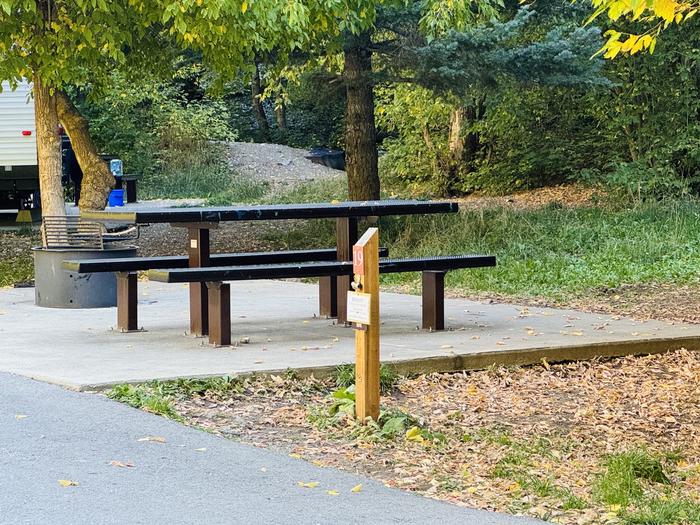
458,362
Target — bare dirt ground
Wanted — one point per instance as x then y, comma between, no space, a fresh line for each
532,441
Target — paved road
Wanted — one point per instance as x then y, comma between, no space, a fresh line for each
49,434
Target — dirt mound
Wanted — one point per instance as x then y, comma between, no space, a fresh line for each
276,164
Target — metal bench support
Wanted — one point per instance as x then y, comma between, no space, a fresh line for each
346,237
198,251
434,300
328,297
220,313
127,299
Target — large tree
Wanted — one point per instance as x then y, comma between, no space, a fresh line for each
60,43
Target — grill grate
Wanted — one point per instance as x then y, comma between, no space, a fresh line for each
71,232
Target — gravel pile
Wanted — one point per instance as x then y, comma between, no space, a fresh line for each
276,165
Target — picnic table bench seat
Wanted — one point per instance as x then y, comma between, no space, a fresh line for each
127,282
138,264
219,295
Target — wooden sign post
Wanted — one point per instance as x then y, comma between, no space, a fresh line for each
363,309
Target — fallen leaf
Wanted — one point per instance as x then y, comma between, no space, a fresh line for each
203,449
295,456
309,485
333,493
414,434
20,416
154,439
447,346
68,483
356,488
121,464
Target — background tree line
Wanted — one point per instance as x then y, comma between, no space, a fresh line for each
455,96
499,106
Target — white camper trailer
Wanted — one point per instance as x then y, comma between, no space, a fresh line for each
19,172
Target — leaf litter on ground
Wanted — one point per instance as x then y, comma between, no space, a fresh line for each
525,440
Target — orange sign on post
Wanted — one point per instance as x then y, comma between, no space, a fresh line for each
364,305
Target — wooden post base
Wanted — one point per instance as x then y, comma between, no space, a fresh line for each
433,300
219,313
127,301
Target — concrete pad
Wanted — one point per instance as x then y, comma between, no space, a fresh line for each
277,325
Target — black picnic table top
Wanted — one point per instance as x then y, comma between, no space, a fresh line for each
321,210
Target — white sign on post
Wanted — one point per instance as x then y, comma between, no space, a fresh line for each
359,307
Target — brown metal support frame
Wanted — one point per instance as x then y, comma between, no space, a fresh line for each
328,297
198,251
346,237
127,300
220,313
433,300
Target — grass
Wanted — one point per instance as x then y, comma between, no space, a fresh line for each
550,252
622,481
664,511
388,378
16,270
157,396
201,172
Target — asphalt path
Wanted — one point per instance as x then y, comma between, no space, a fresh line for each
76,458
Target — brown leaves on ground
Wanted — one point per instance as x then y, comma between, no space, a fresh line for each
569,195
659,301
524,440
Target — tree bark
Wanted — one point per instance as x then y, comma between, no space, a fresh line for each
360,131
281,114
456,139
48,145
256,91
97,179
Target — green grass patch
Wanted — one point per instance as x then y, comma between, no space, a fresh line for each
200,173
16,270
622,481
145,398
664,511
551,252
158,396
388,377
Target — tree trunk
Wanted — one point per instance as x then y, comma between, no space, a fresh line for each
281,114
256,91
360,132
48,145
456,139
97,179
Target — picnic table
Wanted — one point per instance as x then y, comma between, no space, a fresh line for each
199,220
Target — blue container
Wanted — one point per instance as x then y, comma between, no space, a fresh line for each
116,167
116,198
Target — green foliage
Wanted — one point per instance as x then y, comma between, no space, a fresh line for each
343,402
144,398
546,121
664,511
158,396
392,424
620,482
388,378
172,141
